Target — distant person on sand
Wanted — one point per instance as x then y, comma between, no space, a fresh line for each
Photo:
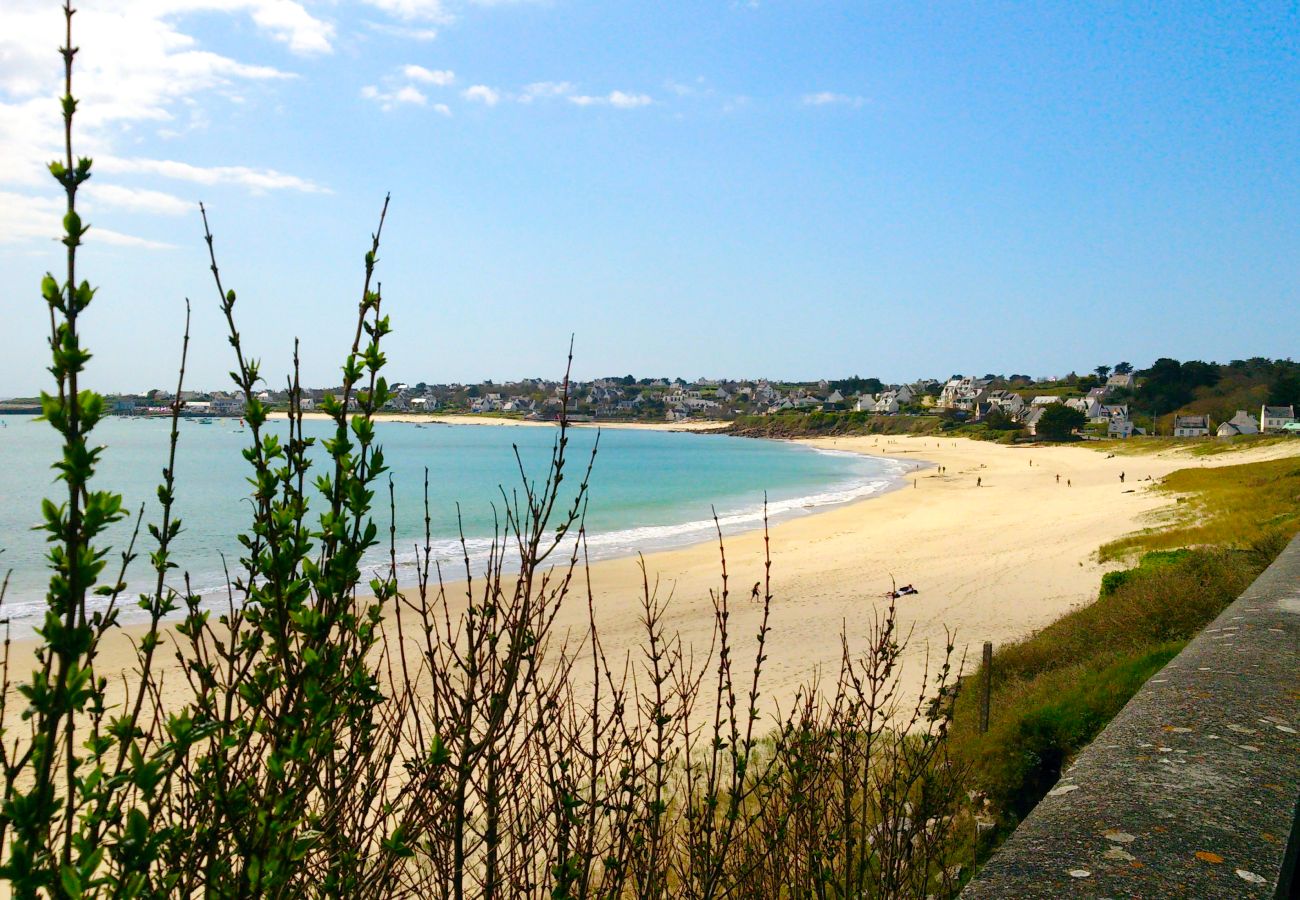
1058,479
1121,477
979,482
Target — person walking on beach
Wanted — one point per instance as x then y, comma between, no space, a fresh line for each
979,482
1058,479
1121,477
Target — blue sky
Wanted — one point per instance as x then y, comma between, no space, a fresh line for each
781,189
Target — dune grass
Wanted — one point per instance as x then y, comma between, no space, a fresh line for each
1148,445
1230,506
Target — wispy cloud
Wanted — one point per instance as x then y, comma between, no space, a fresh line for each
540,90
400,88
406,95
440,77
616,99
285,21
26,218
143,74
253,179
415,10
137,199
481,93
829,98
408,32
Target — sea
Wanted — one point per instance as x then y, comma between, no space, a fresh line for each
649,490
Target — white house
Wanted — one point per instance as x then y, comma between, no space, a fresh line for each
1009,402
1120,428
1275,418
1241,423
1191,426
962,393
1031,417
1044,400
1126,382
1089,407
887,404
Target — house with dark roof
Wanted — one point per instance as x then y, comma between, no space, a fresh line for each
1242,423
1275,418
1191,426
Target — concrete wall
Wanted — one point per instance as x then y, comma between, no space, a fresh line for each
1192,790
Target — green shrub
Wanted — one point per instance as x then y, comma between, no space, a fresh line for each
1111,581
1023,757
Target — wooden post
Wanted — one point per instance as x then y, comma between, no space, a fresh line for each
987,687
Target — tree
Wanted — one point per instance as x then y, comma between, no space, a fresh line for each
858,385
997,420
1103,372
1285,390
1123,368
1059,421
1171,385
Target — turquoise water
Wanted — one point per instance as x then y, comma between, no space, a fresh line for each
649,489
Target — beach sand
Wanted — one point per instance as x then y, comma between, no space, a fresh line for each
503,422
993,562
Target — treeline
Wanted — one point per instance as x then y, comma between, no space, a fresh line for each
1216,389
818,423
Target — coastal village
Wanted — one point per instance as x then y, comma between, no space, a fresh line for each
1116,403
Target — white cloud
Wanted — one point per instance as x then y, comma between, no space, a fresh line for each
617,99
411,10
396,93
23,217
137,199
118,239
440,77
258,180
285,20
543,89
402,31
437,11
628,101
829,98
442,109
407,95
27,218
481,93
139,74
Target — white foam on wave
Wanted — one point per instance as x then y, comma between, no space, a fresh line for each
648,538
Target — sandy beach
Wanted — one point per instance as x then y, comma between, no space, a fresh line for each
503,422
991,561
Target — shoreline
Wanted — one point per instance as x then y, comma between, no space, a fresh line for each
994,562
408,418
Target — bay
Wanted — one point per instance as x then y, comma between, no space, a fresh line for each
650,490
